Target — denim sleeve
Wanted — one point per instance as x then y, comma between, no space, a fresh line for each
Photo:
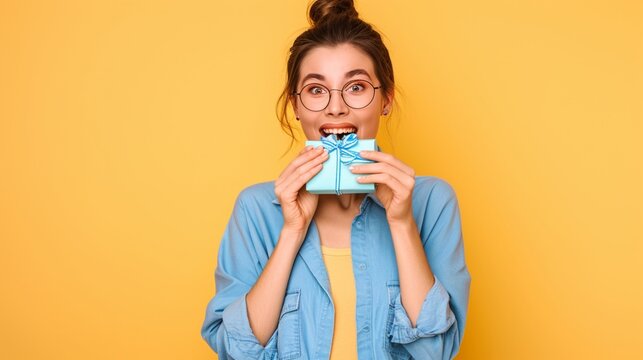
440,325
226,327
435,317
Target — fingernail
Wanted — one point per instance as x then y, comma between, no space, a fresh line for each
351,168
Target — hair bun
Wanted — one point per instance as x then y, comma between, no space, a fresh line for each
322,10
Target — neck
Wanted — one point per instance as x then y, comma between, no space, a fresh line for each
345,202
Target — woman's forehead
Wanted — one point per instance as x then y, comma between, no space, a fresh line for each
336,63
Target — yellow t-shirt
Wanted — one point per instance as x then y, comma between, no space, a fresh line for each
342,286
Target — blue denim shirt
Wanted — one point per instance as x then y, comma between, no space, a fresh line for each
305,328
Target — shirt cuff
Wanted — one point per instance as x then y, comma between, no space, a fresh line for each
241,340
436,316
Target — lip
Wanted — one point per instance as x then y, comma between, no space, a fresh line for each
336,126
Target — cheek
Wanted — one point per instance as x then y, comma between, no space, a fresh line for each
370,126
310,130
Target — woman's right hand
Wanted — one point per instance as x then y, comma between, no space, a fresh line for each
298,205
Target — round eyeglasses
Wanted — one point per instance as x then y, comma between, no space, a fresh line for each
357,94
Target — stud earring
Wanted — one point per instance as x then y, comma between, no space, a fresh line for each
297,118
385,112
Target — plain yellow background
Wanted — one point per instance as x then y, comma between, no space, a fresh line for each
127,129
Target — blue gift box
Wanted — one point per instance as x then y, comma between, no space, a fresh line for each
335,177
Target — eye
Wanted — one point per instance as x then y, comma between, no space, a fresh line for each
314,89
355,87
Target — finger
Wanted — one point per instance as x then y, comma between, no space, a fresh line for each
286,178
302,176
302,173
307,156
306,148
385,179
387,158
382,167
304,157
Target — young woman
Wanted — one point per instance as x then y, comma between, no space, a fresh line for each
379,275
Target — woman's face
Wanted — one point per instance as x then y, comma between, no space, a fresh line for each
334,67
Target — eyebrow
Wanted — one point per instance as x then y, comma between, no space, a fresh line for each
349,74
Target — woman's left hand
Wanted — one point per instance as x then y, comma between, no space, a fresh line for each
394,182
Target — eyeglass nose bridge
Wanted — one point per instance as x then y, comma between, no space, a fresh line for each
330,97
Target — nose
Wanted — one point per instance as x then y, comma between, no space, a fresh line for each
336,105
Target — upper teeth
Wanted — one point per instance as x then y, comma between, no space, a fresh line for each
339,131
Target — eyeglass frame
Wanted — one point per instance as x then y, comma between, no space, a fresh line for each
341,94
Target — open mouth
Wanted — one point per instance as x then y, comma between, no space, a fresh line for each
339,132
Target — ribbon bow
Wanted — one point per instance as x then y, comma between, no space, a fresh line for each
344,154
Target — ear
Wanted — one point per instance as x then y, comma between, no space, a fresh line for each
293,101
387,102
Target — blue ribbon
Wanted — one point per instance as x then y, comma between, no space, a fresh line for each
344,154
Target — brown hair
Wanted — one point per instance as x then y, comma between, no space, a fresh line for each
333,22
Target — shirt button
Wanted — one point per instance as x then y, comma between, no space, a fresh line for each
366,329
358,223
362,266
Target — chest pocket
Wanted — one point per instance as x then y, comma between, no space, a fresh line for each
289,330
394,350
